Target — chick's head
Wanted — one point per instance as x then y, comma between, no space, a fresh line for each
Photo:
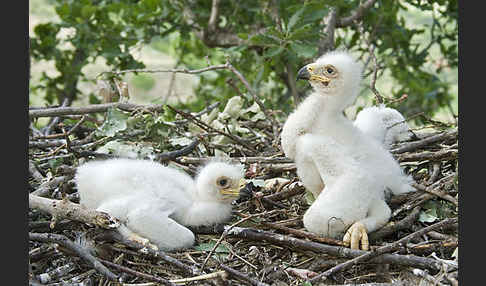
220,181
334,73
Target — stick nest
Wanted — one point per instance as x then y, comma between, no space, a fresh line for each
265,243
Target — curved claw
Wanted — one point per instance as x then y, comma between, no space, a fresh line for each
356,233
144,241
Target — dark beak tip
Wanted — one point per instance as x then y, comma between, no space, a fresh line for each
303,73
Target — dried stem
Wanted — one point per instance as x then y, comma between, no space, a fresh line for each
412,146
225,232
268,116
76,248
137,273
237,274
338,251
115,235
405,223
58,111
208,128
183,70
382,250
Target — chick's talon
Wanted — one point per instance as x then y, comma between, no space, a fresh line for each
144,241
356,233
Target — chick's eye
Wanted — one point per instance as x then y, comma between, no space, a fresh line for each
330,70
222,182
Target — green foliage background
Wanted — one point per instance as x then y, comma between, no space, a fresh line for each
267,41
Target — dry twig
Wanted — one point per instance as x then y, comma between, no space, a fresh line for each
380,251
76,248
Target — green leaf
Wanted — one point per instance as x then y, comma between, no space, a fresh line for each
309,197
429,214
273,52
54,163
151,4
264,40
132,150
301,33
88,11
302,50
93,99
243,36
116,121
295,18
63,11
221,252
209,245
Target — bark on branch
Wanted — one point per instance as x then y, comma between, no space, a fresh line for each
357,14
338,251
76,248
327,43
65,209
59,111
412,146
382,250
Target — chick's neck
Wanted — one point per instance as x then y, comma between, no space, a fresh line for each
205,212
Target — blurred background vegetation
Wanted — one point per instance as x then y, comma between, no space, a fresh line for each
73,41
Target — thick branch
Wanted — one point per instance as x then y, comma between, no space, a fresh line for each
380,251
426,141
213,19
390,229
237,274
444,154
356,15
338,251
327,44
66,209
212,38
44,188
291,84
57,111
242,160
174,154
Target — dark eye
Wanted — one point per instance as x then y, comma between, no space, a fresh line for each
223,182
330,70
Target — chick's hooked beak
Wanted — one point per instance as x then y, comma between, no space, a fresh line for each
235,191
303,73
308,73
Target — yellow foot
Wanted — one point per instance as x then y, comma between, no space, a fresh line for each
356,233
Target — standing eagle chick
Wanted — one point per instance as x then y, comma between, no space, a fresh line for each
154,202
327,147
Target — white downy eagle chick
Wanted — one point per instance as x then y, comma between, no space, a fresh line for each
154,203
385,124
327,147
